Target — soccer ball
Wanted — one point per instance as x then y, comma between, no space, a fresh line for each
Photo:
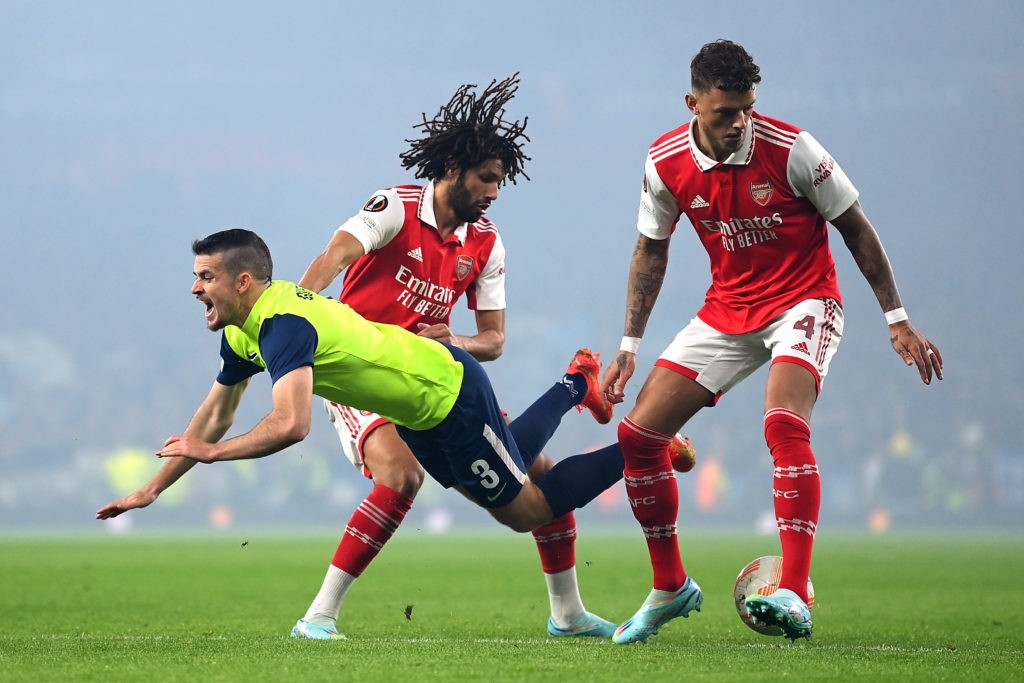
761,577
683,455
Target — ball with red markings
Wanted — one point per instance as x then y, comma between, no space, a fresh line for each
684,457
761,577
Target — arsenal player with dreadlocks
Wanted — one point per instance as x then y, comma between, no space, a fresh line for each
407,257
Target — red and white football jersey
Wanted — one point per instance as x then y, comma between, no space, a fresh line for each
760,214
409,274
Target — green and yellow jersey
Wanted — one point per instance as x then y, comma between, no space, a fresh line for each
411,380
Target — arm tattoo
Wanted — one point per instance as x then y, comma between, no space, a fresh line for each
867,251
650,260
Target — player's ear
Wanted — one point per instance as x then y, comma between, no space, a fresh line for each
691,102
243,281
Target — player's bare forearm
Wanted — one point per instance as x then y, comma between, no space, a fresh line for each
320,273
485,346
275,432
646,275
172,471
340,252
210,422
216,414
866,248
489,340
285,425
271,434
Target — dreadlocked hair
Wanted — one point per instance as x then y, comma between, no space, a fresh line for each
469,130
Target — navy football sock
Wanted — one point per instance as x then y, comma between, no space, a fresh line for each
538,423
577,480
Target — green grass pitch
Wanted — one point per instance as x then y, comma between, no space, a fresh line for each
219,608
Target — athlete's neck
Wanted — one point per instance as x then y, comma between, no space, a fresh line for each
698,139
444,214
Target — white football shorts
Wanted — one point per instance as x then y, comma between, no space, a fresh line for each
807,334
353,426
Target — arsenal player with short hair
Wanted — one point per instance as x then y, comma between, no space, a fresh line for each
759,194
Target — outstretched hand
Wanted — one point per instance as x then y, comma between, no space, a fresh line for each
139,499
188,447
914,348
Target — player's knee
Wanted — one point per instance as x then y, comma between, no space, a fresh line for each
520,525
407,480
540,467
527,511
409,487
404,475
781,424
786,432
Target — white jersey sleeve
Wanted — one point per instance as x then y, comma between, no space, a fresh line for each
490,285
814,174
377,223
659,211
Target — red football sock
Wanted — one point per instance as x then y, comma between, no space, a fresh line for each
556,543
654,497
369,528
797,494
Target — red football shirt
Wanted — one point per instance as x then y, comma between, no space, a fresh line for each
409,274
760,214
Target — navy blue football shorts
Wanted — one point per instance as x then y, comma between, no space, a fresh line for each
472,447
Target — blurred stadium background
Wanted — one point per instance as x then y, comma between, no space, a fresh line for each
128,129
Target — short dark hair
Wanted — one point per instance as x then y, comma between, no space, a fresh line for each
243,250
468,131
725,65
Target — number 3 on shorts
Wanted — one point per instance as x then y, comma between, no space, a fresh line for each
488,477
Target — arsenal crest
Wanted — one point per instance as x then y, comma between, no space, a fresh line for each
762,192
463,267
